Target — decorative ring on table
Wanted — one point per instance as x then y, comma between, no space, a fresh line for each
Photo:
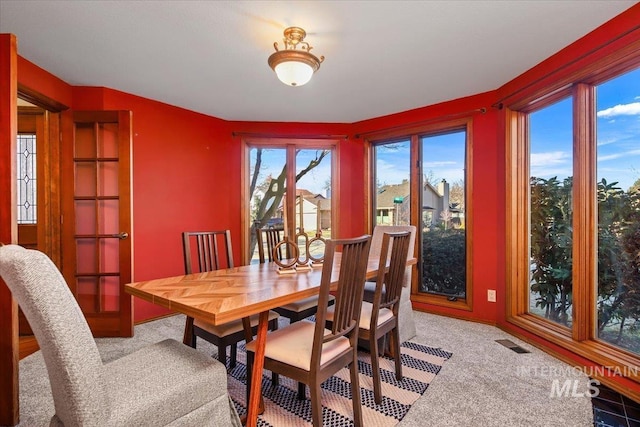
302,263
295,254
311,241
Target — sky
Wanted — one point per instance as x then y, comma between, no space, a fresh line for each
618,134
274,159
443,157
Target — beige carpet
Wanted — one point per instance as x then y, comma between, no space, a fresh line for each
482,384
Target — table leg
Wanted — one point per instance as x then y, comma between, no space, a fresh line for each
253,406
188,332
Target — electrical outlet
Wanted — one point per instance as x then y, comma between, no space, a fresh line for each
491,295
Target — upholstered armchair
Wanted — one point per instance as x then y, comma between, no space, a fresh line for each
167,383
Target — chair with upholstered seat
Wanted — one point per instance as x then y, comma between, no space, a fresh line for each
380,317
309,353
407,326
207,251
166,383
267,239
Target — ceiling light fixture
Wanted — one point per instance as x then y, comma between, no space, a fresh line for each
293,66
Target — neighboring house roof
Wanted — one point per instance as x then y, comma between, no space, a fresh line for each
388,193
304,193
310,197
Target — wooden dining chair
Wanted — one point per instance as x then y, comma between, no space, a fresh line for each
267,239
380,317
309,353
407,327
207,251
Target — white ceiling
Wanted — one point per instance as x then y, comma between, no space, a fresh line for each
382,57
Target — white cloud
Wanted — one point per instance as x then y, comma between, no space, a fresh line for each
548,158
619,155
632,109
608,141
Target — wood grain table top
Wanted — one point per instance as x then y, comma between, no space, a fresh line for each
224,295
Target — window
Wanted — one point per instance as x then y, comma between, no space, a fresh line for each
573,214
618,196
392,192
550,218
432,196
307,208
26,173
444,260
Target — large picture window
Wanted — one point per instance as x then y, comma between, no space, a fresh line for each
289,187
573,215
432,195
618,196
444,241
550,219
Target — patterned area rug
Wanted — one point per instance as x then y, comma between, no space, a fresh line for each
420,365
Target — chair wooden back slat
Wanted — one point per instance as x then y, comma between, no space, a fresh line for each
207,246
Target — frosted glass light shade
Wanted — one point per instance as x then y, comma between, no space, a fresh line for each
294,73
294,65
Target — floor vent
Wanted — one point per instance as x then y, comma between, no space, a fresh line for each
513,346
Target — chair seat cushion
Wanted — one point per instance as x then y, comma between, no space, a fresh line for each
230,327
304,304
161,383
292,345
365,315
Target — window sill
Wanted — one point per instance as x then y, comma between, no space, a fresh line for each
442,301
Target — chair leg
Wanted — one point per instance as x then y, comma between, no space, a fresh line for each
355,391
302,395
395,345
375,368
275,378
234,356
316,404
222,354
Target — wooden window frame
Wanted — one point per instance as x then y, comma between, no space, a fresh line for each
290,145
414,134
581,338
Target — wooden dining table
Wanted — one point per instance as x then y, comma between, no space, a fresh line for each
236,293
